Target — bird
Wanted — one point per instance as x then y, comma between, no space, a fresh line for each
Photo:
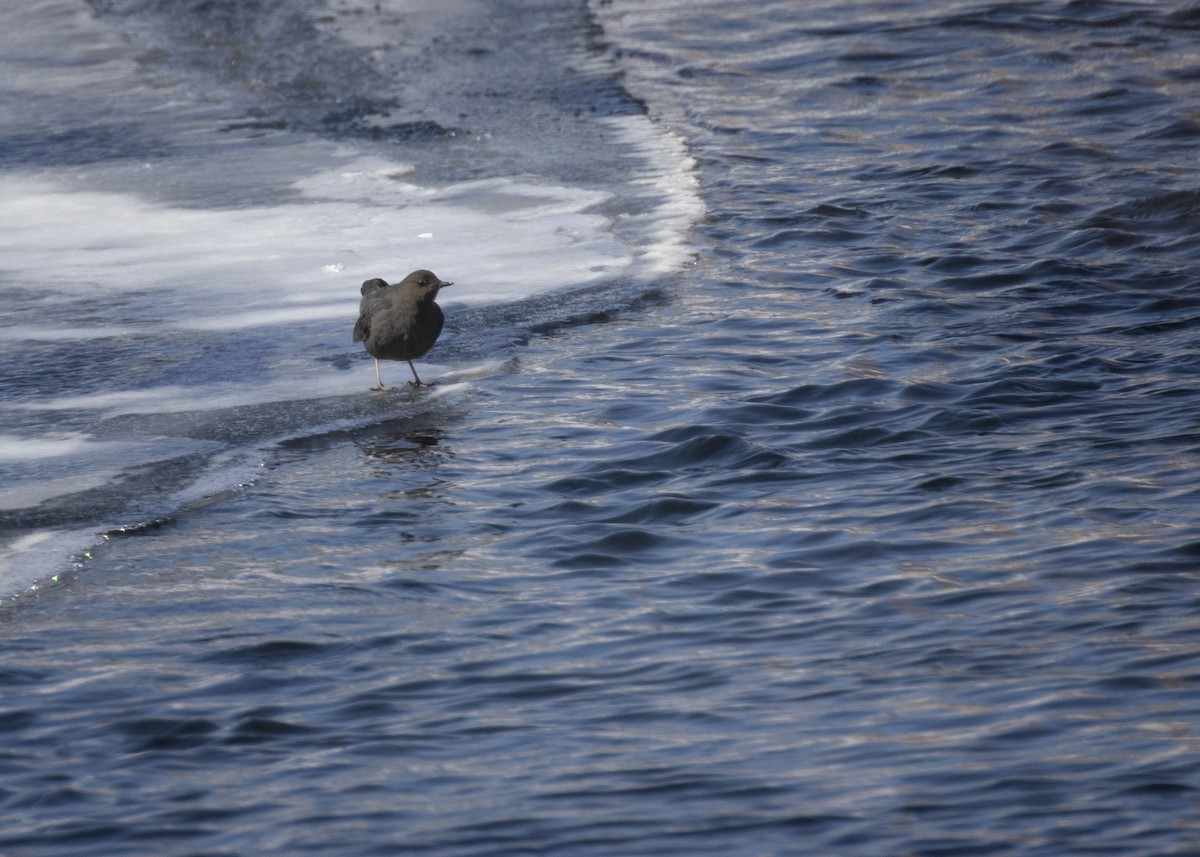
400,321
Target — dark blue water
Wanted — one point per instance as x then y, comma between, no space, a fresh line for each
871,530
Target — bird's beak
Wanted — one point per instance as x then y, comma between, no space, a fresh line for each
443,284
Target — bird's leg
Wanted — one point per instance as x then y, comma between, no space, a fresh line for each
417,382
379,388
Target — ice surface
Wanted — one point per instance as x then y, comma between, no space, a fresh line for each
215,269
180,296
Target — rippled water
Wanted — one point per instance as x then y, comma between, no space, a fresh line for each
870,531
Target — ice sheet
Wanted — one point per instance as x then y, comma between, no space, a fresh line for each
172,284
214,269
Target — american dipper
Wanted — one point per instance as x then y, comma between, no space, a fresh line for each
400,321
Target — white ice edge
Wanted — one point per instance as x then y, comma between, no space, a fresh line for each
174,398
670,176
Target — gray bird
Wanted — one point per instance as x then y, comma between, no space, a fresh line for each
400,321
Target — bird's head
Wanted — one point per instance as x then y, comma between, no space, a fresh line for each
426,283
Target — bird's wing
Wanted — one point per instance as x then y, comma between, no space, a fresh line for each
372,302
362,327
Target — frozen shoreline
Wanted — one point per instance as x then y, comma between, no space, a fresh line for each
199,269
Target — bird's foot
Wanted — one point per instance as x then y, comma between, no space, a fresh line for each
382,389
421,385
